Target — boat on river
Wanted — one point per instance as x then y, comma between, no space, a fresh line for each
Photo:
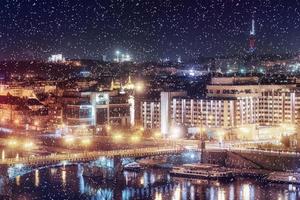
207,171
283,177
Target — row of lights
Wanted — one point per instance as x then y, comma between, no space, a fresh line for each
70,140
17,121
27,145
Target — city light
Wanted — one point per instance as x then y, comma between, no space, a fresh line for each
86,142
175,132
36,123
17,122
245,130
139,87
12,143
69,139
117,137
135,138
150,99
28,145
157,134
220,135
108,128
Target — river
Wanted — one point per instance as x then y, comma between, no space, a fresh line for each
154,184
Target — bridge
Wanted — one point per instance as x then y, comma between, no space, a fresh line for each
93,155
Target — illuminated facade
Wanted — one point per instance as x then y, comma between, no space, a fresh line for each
230,104
56,58
99,109
28,114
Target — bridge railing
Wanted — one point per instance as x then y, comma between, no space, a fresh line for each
91,155
270,151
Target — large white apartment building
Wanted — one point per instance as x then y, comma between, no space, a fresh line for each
230,104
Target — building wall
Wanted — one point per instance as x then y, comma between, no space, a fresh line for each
151,115
226,106
101,109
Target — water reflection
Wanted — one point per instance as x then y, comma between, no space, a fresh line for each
37,178
64,177
18,180
72,183
3,155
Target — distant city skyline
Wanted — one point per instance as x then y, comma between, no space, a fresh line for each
147,30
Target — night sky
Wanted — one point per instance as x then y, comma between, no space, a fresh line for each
146,29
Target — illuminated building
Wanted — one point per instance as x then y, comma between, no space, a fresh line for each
120,57
165,110
99,109
23,113
231,104
56,58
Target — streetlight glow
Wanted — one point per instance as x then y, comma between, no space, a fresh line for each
139,87
175,132
135,138
12,143
117,137
86,141
69,139
28,145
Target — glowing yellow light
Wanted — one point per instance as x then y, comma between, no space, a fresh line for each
135,138
37,178
64,177
157,134
28,145
108,127
139,87
17,121
36,123
245,130
142,129
177,192
18,180
158,196
12,142
142,181
118,137
69,140
86,141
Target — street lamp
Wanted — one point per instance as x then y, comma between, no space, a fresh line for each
175,132
36,123
12,143
157,134
139,87
117,137
69,140
17,122
28,145
86,142
135,138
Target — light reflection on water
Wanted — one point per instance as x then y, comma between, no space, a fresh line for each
70,183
